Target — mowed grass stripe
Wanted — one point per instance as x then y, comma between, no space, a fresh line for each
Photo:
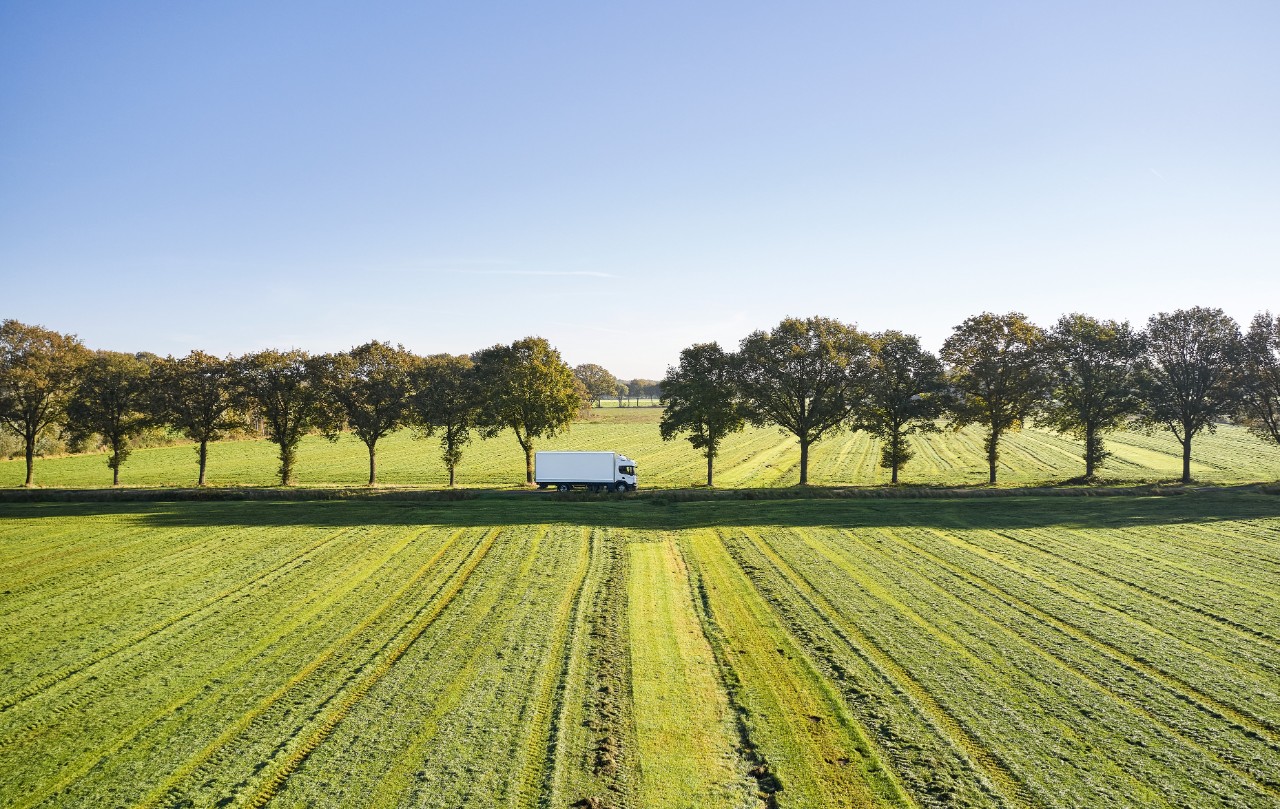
82,666
1209,634
281,772
1225,599
1211,735
972,675
266,653
684,725
443,589
796,722
993,768
1078,609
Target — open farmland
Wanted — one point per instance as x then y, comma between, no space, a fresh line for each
523,650
754,458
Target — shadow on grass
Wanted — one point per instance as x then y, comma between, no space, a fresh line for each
658,511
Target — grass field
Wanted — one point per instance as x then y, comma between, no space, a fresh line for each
755,458
521,650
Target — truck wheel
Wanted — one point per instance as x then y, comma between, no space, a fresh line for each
620,486
563,487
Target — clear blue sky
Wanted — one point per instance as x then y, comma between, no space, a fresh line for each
627,178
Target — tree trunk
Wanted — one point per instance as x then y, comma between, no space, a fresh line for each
286,465
804,462
204,457
31,461
711,456
451,469
895,447
528,465
1090,450
1186,459
993,453
373,465
115,475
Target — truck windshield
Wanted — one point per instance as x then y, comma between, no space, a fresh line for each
626,470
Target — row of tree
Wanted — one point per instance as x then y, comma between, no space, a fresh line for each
50,381
600,385
1184,373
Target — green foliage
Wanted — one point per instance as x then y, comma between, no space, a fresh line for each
284,389
369,388
996,370
1094,373
37,377
597,381
1260,378
700,397
446,401
1189,373
197,396
526,387
803,377
112,400
904,393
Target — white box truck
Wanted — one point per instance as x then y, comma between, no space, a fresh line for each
595,471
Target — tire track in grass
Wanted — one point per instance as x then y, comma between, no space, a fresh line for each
81,668
984,761
426,617
539,748
1210,703
432,607
484,617
1112,574
812,751
684,724
596,747
987,588
990,672
73,771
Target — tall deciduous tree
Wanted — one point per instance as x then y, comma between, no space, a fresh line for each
997,375
638,389
1260,378
700,397
598,381
283,388
196,395
37,377
528,388
905,393
1189,377
1093,369
803,377
370,388
112,400
446,402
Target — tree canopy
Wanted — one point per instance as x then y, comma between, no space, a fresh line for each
112,400
700,397
369,387
1189,373
38,374
446,401
996,371
598,382
197,396
1093,372
803,377
527,388
284,389
904,393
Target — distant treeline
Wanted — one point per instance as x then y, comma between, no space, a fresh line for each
1185,372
